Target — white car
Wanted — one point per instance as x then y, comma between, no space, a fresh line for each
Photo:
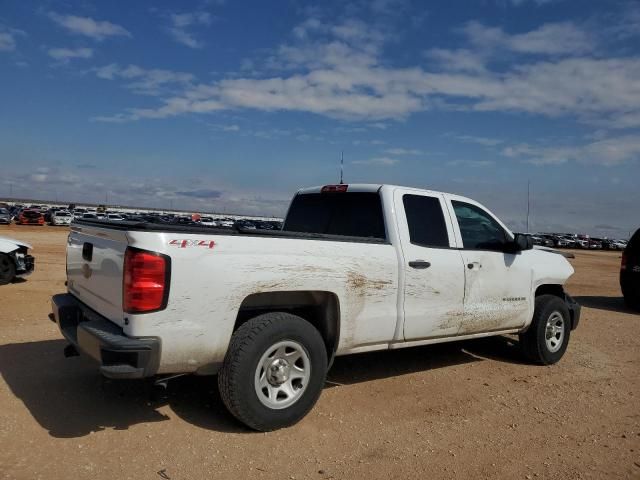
208,222
15,261
226,223
114,217
61,217
79,212
356,268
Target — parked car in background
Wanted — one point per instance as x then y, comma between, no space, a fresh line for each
208,222
617,244
5,216
595,244
79,212
30,217
548,240
15,260
541,241
630,272
226,222
114,217
61,217
621,244
89,215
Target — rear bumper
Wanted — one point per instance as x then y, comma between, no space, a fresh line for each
119,356
574,310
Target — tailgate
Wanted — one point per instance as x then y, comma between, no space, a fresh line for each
95,259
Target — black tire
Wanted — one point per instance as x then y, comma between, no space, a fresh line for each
631,295
7,269
534,341
250,344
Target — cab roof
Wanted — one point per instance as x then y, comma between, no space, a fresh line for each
375,187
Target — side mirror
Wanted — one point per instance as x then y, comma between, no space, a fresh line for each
522,242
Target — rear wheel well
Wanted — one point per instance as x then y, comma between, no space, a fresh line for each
320,308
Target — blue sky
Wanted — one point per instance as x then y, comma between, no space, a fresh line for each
234,105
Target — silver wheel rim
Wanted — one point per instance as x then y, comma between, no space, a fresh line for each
554,332
282,374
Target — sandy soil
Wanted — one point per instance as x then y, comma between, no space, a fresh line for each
462,410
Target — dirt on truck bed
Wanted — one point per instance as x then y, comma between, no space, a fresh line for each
459,410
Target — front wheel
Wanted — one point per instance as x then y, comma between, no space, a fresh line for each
547,338
7,269
274,371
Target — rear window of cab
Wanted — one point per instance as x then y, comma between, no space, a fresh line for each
353,214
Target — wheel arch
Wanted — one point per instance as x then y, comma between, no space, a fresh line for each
550,289
320,308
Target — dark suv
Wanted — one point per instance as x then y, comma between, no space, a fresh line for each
630,272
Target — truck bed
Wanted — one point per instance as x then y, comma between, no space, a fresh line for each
176,228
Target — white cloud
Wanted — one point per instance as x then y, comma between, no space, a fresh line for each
403,151
66,54
181,24
485,141
8,36
225,128
471,163
462,60
550,39
337,71
380,161
608,152
145,81
7,42
98,30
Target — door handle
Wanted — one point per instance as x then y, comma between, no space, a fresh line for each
473,265
419,264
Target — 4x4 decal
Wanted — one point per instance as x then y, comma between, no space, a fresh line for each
192,243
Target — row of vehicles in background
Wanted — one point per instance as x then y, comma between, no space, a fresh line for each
569,240
40,215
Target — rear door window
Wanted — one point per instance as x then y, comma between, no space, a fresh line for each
427,227
357,214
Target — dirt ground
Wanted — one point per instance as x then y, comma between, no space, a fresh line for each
460,410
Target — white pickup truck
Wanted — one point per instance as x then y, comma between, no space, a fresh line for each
356,268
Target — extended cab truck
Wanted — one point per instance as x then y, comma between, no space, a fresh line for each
356,268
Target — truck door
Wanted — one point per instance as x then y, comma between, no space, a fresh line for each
497,284
433,269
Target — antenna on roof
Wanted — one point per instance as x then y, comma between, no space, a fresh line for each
528,203
341,166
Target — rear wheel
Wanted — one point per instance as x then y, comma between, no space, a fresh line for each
7,269
274,371
547,338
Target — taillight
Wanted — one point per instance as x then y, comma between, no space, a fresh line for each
623,263
334,188
146,281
